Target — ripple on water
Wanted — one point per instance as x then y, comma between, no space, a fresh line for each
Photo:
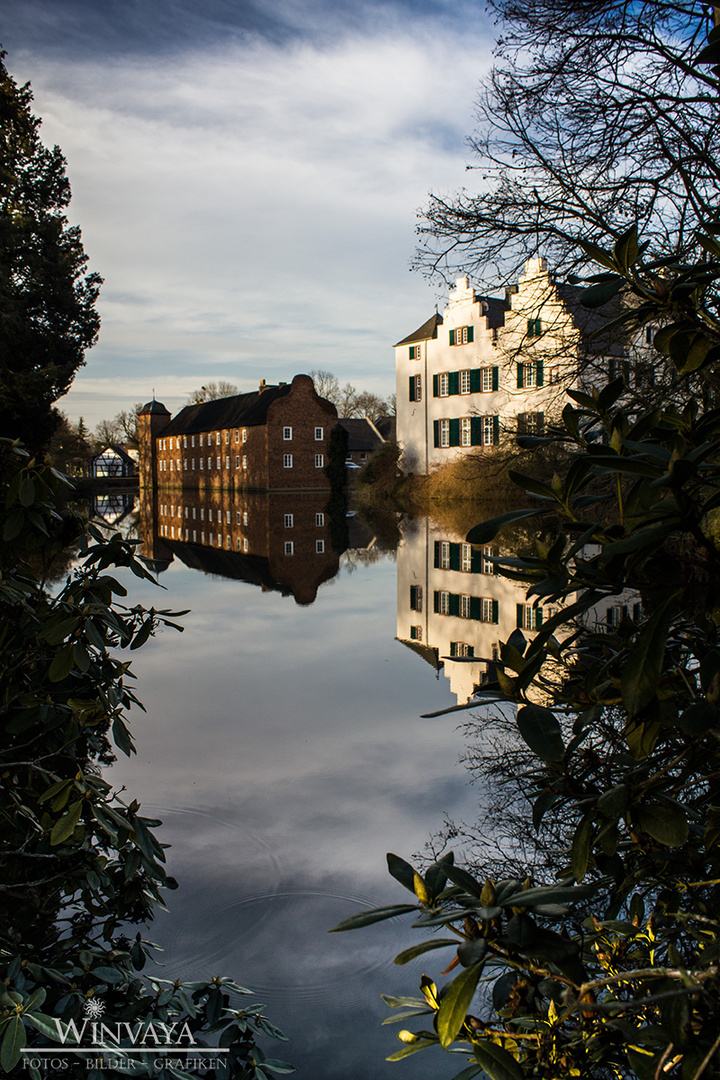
278,944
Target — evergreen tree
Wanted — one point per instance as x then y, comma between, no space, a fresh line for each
47,301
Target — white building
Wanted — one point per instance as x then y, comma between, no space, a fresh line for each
488,368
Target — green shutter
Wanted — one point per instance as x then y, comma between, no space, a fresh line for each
454,556
435,388
496,430
453,650
454,605
476,430
471,333
538,617
436,432
452,337
436,562
413,633
540,372
476,608
453,382
495,612
455,431
475,380
471,650
520,610
436,601
541,423
520,377
476,560
412,388
495,378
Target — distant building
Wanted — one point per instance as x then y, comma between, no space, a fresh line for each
274,438
112,463
490,367
364,438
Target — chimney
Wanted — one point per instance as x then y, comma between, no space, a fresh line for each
262,386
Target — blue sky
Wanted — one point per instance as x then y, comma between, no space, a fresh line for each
247,178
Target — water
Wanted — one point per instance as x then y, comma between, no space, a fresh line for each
284,750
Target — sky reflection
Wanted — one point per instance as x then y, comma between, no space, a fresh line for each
284,750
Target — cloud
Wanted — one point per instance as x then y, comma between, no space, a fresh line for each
251,205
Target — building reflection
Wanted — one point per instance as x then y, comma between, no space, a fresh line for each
281,541
455,611
114,509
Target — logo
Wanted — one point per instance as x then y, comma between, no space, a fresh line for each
122,1046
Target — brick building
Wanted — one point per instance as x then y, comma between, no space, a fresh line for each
275,438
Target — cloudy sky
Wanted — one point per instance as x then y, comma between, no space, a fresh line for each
247,177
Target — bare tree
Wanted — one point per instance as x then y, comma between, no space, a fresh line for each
326,385
121,429
597,115
370,405
213,391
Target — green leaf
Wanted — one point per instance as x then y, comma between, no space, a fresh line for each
643,666
12,1044
627,248
580,852
373,915
65,827
666,823
426,946
497,1063
411,1048
488,530
455,1004
402,871
62,663
27,491
540,729
597,295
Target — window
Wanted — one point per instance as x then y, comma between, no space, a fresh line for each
202,513
192,437
185,464
210,517
194,512
444,602
319,520
416,633
465,558
227,462
319,461
238,545
185,441
415,393
414,352
238,517
487,613
445,555
237,461
416,598
287,461
228,517
209,462
554,374
178,465
237,435
319,434
444,432
465,431
201,440
487,565
461,648
616,614
287,434
488,430
288,521
462,335
465,607
464,382
246,544
319,547
245,517
531,423
443,384
202,463
244,431
194,536
534,327
218,463
219,543
227,437
530,376
289,547
528,617
244,461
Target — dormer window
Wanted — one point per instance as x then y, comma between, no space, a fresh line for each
414,352
462,335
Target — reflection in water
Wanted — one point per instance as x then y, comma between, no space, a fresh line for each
455,610
280,541
114,509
